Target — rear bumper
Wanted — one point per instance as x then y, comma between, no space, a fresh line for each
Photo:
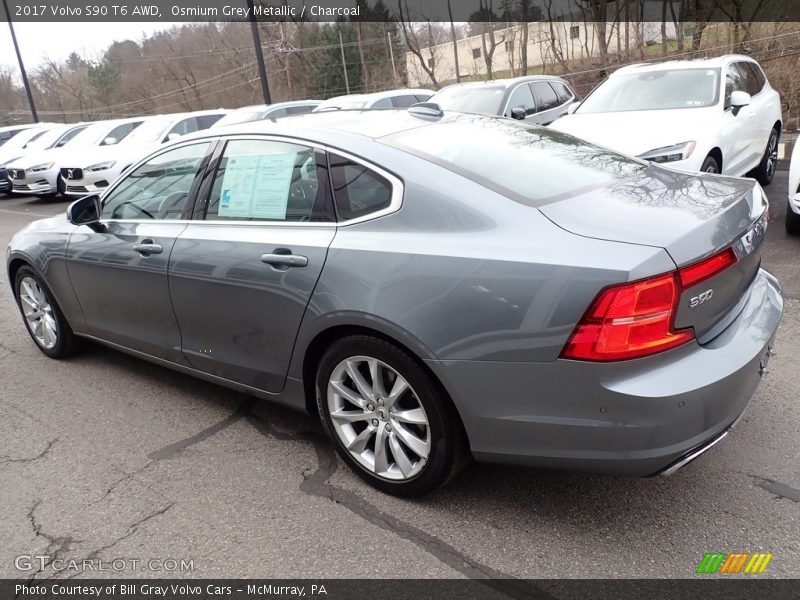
633,418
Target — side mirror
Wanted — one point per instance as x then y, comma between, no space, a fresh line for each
738,100
173,136
86,211
110,141
573,107
519,113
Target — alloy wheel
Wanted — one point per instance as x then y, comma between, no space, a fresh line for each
772,154
38,313
378,418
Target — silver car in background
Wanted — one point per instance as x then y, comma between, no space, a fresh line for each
434,286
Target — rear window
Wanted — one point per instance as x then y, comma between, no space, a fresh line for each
529,164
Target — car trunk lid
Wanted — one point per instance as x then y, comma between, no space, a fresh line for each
692,218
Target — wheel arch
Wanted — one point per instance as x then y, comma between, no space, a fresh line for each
716,152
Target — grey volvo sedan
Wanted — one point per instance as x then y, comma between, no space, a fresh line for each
434,285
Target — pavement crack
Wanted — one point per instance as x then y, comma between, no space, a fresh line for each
173,449
42,454
781,490
56,547
316,484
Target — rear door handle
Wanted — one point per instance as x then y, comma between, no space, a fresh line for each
282,257
148,247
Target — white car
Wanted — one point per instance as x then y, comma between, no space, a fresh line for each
16,146
37,172
793,209
717,115
258,112
9,131
92,171
402,98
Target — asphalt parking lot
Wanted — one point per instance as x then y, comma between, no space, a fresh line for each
104,456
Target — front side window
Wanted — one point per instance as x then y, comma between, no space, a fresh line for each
183,127
261,180
521,97
357,190
382,103
404,101
69,135
119,133
158,189
734,82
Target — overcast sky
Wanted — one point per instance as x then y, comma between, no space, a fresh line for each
57,40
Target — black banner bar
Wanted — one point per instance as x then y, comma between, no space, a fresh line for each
500,11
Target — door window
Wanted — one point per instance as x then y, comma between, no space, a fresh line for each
404,101
260,180
382,103
545,96
183,127
158,189
521,97
206,121
751,81
357,190
564,95
119,132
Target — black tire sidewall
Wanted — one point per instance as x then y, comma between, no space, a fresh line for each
64,342
444,443
792,221
763,176
706,162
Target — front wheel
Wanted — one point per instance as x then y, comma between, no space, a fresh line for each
792,221
710,165
765,171
43,318
388,418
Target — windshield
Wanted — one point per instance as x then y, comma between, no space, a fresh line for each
655,90
471,99
23,138
528,164
342,103
242,115
149,132
47,139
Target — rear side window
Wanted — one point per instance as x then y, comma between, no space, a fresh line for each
357,190
528,164
561,91
760,77
259,180
753,84
545,96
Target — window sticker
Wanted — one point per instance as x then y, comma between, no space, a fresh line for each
257,186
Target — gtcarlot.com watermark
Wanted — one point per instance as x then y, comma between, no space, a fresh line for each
40,562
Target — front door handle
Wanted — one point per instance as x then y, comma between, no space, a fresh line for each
283,257
148,247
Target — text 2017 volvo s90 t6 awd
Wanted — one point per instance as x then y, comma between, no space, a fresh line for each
435,285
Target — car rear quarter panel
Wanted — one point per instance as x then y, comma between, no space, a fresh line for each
463,273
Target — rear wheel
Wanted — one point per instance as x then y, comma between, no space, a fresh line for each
766,169
43,318
710,165
792,222
388,418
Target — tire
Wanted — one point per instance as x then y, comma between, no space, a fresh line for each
405,471
61,185
710,165
765,170
792,222
30,298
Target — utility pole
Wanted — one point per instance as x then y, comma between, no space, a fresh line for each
262,69
455,43
25,81
391,55
344,65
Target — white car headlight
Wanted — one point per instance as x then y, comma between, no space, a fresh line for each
103,166
40,168
669,153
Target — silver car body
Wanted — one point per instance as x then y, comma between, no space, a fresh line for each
483,288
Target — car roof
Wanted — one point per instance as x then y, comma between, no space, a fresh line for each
332,127
697,63
505,83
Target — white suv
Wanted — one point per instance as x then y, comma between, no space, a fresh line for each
718,115
793,210
93,171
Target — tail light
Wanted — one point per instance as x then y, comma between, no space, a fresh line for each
636,319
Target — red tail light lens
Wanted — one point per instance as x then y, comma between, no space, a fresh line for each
694,274
630,320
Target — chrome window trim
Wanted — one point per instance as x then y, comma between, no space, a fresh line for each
572,97
396,202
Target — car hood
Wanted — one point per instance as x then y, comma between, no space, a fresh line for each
32,159
637,132
690,216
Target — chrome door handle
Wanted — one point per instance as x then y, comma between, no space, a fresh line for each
148,248
284,260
